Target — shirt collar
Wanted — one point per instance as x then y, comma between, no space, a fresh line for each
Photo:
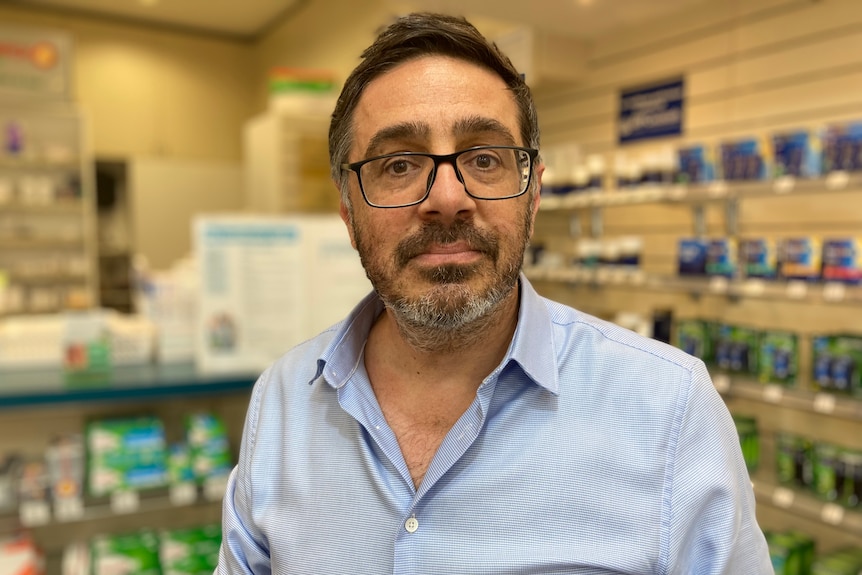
532,347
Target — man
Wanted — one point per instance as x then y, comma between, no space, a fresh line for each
456,422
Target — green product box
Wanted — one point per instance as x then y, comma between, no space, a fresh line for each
749,440
190,551
792,553
847,561
180,464
127,554
736,349
825,464
125,453
794,460
210,449
778,357
837,363
693,337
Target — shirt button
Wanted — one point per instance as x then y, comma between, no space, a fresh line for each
411,525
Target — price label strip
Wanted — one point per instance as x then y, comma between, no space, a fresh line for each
832,514
69,508
824,403
214,487
782,497
721,382
126,501
773,393
34,513
183,494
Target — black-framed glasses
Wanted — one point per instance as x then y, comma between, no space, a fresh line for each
405,179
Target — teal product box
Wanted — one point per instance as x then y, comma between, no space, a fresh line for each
792,552
797,154
846,561
180,468
693,337
207,438
126,554
722,257
800,258
758,258
691,256
837,363
745,160
736,349
749,440
695,165
842,147
842,260
778,357
125,454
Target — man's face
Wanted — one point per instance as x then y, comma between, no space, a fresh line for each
451,259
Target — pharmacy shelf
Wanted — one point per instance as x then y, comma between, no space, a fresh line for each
31,388
794,291
703,193
807,506
831,404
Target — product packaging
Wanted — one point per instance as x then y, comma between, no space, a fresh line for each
749,440
696,165
721,257
125,454
794,459
792,552
758,258
736,349
797,154
126,554
692,336
845,561
691,256
778,357
842,147
837,363
190,551
842,260
800,258
745,160
210,450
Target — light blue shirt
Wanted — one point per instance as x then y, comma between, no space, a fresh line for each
589,450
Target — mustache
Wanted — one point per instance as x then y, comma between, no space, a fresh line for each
439,233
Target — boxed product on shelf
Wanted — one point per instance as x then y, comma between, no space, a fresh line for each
695,165
30,342
722,257
778,357
792,552
842,147
20,556
736,349
126,554
794,460
745,159
86,345
837,474
842,260
9,472
837,363
693,337
845,561
825,481
65,460
691,256
797,154
210,450
758,258
125,453
800,258
749,440
190,551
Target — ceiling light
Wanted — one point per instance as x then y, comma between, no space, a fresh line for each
586,3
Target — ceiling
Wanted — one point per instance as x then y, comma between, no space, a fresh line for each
247,19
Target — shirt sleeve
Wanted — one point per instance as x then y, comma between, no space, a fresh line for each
243,548
711,513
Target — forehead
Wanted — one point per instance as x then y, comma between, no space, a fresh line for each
437,102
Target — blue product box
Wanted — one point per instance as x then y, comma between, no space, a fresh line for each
736,349
778,357
796,154
695,165
691,256
745,160
837,363
721,257
842,147
800,258
842,260
757,258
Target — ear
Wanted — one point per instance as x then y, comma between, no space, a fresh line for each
537,196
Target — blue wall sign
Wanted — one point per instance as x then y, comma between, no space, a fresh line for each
651,112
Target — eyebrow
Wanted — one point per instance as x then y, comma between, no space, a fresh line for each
409,132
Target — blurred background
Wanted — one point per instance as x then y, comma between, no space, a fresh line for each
168,228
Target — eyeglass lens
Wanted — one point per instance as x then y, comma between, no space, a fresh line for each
487,173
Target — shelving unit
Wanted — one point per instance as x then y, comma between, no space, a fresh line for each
664,213
47,234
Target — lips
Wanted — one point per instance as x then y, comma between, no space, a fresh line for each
436,239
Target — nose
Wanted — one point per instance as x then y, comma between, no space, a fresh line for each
448,197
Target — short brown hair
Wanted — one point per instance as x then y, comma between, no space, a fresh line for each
412,36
